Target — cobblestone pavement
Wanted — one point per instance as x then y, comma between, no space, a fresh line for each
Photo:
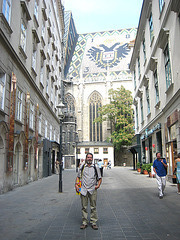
128,208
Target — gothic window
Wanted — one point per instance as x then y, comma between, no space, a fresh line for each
69,100
95,128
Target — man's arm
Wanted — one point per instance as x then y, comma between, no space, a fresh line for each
165,165
99,183
76,184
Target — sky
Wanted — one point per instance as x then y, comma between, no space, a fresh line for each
104,15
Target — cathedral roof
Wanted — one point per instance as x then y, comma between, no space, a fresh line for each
99,54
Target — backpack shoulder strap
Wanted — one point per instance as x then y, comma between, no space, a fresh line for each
95,169
82,169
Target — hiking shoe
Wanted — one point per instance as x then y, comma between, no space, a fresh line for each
95,227
83,226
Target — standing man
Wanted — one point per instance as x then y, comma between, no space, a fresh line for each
160,168
100,165
90,178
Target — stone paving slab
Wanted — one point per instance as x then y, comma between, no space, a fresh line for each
128,208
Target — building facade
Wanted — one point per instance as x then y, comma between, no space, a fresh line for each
155,67
99,62
31,70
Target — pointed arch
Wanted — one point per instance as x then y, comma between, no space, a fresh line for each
95,102
70,101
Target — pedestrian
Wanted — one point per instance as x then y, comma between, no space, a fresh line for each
100,165
90,177
177,165
57,166
109,165
160,169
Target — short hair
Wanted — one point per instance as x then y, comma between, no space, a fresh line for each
89,154
157,153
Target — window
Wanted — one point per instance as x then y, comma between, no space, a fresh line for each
52,92
41,74
105,150
7,9
34,59
50,133
156,86
134,79
142,113
69,100
144,49
139,70
151,27
137,124
2,89
55,98
40,123
31,115
167,67
36,9
161,3
45,128
95,128
43,29
47,82
19,104
54,138
23,35
148,100
78,151
96,150
86,150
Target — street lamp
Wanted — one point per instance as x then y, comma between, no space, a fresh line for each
61,116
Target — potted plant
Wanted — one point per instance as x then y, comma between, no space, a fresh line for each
145,166
149,169
139,167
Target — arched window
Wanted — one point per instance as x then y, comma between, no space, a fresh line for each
69,100
95,128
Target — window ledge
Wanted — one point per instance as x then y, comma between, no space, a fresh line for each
149,114
43,41
19,122
145,61
2,111
169,88
41,84
5,22
22,52
152,41
157,105
34,72
36,21
162,10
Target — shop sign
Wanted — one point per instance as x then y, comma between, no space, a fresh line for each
149,132
172,118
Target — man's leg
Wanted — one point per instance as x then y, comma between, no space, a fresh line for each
84,203
93,198
159,183
163,183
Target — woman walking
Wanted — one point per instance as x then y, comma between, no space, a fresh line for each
177,164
